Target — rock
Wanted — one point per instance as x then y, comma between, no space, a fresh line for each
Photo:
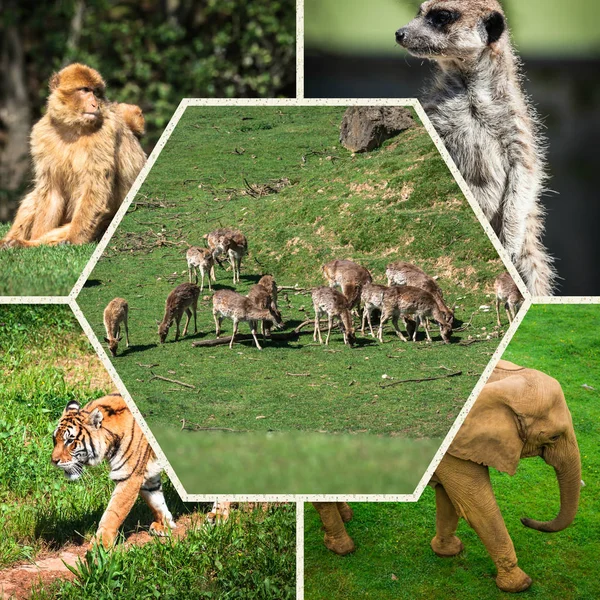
365,128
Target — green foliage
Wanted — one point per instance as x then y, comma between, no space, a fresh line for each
396,203
249,557
41,271
394,559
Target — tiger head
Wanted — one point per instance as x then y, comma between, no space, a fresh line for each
76,440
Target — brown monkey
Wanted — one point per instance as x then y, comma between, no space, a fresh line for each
85,156
133,117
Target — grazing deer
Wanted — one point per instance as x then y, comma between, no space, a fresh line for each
230,304
349,276
401,301
184,298
329,301
372,299
201,259
115,313
264,295
232,243
404,273
508,294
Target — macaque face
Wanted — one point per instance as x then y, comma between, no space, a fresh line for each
89,101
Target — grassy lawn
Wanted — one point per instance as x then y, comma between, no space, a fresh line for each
393,539
45,361
42,271
398,202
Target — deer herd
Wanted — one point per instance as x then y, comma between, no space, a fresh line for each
410,294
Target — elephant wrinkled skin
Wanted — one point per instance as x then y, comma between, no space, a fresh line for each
520,413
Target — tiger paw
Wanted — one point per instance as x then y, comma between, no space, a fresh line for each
162,529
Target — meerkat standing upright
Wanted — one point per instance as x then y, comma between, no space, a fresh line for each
481,113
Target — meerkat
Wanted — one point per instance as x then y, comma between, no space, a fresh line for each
478,107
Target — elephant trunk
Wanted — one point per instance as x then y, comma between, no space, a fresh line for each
567,464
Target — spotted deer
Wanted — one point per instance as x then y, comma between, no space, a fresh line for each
349,277
264,295
184,298
115,315
232,243
331,302
402,301
508,294
404,273
234,306
201,259
372,299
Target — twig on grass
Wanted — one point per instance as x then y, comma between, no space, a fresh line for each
198,428
419,380
187,385
148,366
298,374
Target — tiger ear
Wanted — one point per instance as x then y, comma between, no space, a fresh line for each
95,418
72,405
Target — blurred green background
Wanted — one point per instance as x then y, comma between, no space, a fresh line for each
539,27
350,52
150,53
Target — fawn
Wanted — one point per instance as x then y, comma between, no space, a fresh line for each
349,276
404,273
372,299
184,298
232,243
115,313
329,301
230,304
201,259
407,300
509,294
264,295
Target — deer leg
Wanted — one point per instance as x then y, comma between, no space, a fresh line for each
384,317
369,313
417,323
498,312
212,272
188,314
329,326
202,279
126,333
364,318
317,328
189,273
194,310
253,330
508,314
395,318
235,329
217,323
426,326
177,321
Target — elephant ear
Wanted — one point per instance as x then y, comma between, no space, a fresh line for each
493,433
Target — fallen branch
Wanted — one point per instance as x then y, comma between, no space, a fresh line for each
187,385
298,374
198,428
420,380
466,325
148,366
292,288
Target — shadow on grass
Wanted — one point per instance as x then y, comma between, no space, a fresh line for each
90,283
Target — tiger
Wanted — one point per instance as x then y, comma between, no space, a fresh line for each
105,429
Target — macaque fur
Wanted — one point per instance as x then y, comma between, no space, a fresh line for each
86,157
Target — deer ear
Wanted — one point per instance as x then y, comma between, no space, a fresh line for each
119,338
494,25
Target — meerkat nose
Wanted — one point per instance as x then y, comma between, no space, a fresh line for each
400,35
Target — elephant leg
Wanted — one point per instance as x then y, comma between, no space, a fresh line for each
345,511
336,539
445,542
470,490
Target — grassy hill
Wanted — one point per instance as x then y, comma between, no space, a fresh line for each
396,203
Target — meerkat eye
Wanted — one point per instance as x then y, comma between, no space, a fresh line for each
440,18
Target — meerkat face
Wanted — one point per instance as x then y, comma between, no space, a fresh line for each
453,29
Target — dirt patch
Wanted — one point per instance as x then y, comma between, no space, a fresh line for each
17,581
78,371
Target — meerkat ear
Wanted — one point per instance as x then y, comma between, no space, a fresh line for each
494,25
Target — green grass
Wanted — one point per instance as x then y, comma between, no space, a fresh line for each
394,538
41,271
399,202
252,556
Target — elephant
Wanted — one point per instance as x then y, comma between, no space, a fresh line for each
520,413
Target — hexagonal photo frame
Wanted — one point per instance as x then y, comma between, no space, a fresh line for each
244,423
